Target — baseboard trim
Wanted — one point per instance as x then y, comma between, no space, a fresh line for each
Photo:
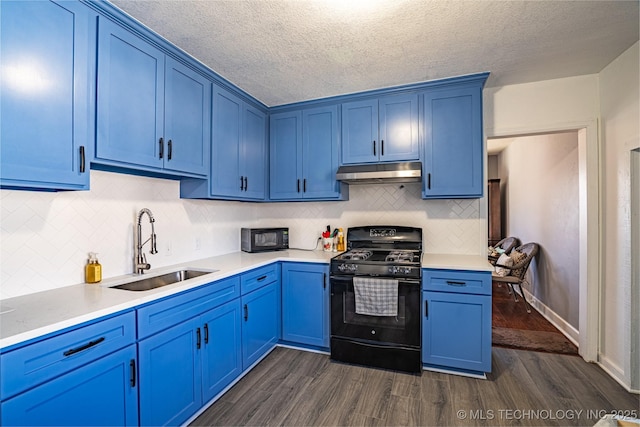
615,372
554,318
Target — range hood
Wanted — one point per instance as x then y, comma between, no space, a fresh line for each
382,173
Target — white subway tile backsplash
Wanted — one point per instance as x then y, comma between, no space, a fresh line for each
45,236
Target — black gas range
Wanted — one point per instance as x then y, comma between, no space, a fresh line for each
375,298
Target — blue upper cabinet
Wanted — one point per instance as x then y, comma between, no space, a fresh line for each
452,166
304,157
153,113
285,145
47,54
380,130
238,156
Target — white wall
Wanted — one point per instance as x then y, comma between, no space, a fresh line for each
46,236
620,133
539,176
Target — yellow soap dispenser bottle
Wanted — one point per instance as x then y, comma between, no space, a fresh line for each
93,269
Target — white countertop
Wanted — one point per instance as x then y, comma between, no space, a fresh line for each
31,316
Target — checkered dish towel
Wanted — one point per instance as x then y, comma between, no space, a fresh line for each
376,297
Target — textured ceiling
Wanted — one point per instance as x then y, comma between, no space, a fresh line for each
287,51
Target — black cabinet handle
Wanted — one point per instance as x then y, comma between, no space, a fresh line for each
198,339
82,159
304,185
298,185
426,309
374,148
83,347
132,372
170,144
161,148
261,278
324,280
206,333
382,147
454,283
429,181
246,312
241,183
246,183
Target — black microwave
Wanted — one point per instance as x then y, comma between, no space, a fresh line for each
264,239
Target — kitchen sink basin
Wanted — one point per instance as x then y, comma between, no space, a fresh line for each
163,280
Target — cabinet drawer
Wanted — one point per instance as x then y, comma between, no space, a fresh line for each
39,362
164,314
456,281
258,278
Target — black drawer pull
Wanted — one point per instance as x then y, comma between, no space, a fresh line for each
298,185
428,181
454,283
170,144
161,148
198,339
374,148
246,313
324,280
83,347
82,160
206,333
426,309
132,368
241,183
261,278
382,147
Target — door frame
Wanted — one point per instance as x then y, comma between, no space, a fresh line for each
590,232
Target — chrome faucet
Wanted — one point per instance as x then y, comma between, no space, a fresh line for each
140,259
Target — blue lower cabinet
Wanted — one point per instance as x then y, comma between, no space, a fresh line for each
305,303
104,392
260,314
456,331
222,353
170,378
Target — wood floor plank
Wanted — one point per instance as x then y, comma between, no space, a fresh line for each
296,388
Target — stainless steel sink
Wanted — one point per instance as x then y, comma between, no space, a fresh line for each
163,280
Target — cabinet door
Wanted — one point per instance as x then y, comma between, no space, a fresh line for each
187,119
456,331
360,143
130,98
226,142
453,143
47,53
305,304
103,392
260,323
170,375
320,156
254,153
285,156
398,123
221,348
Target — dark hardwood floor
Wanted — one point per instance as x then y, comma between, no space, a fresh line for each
298,388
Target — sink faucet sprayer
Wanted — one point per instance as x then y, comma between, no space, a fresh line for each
140,259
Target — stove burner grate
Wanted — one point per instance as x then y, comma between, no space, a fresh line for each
357,255
400,256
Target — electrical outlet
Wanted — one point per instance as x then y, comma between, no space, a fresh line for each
167,249
198,243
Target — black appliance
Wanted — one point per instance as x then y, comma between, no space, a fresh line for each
377,258
264,239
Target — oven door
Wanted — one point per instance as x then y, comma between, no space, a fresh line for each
403,329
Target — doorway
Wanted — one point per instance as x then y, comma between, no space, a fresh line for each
589,233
